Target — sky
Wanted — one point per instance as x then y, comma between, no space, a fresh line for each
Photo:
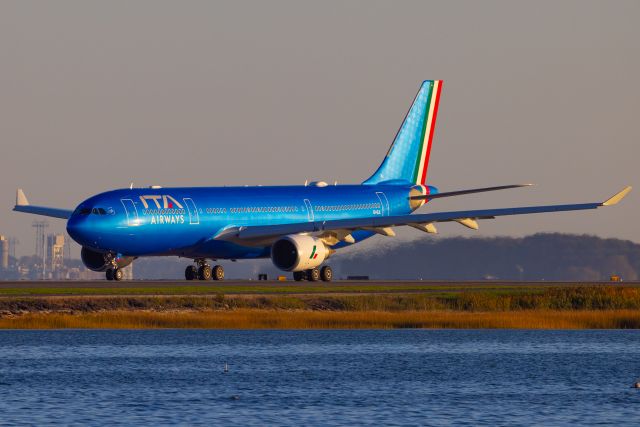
97,95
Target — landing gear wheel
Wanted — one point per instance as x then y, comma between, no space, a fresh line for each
313,275
326,274
191,272
204,272
299,276
109,274
218,272
118,275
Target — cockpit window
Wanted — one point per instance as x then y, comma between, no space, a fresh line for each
83,210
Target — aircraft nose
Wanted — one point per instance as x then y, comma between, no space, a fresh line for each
77,229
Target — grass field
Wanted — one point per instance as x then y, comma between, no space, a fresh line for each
134,288
428,307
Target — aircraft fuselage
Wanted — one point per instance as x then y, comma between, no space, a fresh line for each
184,221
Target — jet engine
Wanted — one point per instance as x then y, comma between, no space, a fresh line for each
99,261
299,252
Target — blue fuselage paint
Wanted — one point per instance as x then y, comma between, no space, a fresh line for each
184,221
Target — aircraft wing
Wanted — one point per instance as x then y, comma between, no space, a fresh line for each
383,224
22,205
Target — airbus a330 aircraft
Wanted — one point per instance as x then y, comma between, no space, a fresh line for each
299,227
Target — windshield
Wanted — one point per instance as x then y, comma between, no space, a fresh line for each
85,210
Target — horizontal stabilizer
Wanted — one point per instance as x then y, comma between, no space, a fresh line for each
22,205
463,192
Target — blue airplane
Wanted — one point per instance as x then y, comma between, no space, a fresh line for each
298,227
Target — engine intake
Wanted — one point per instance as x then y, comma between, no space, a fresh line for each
100,261
298,252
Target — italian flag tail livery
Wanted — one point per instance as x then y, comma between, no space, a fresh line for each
407,160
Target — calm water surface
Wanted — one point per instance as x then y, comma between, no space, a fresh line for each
402,377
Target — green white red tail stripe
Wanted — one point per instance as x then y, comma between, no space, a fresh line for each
420,174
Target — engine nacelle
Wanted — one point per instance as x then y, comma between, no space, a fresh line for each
298,252
99,261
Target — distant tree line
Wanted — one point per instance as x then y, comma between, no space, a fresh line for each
537,257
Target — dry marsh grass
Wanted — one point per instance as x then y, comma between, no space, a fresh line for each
551,308
564,298
272,319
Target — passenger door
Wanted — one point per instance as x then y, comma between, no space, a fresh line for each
310,215
131,211
194,218
384,203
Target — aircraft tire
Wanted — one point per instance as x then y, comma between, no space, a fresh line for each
204,272
326,273
118,275
313,275
109,274
299,276
191,273
218,272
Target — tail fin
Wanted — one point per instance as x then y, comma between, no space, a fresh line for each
408,158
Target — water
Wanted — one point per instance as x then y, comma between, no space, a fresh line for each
402,377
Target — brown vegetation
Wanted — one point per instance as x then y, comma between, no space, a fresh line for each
560,298
271,319
563,307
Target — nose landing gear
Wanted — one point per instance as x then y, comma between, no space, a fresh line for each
203,271
114,274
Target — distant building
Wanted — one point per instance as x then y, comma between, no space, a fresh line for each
4,253
55,254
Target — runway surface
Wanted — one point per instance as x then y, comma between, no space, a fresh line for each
248,287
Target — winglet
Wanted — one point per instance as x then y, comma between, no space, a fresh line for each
617,197
21,199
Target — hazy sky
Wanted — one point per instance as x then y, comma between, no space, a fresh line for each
95,95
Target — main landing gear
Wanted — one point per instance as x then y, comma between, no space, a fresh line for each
203,271
314,274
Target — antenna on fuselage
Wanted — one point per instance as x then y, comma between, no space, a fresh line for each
131,186
306,182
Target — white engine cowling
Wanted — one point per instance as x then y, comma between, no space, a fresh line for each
298,252
98,261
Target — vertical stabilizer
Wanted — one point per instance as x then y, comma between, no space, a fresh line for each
408,158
